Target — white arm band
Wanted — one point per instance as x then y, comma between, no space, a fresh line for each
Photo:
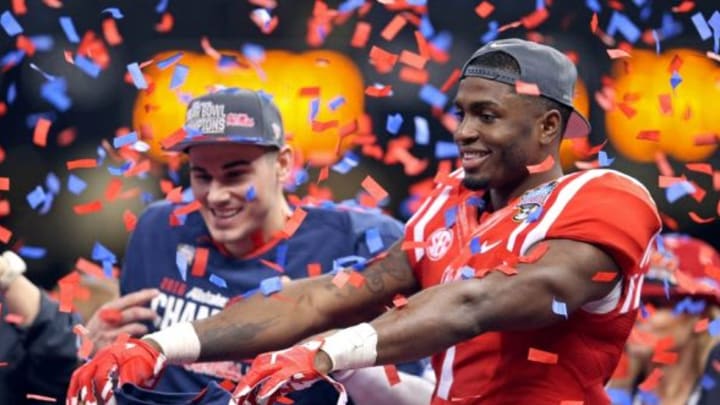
179,343
13,267
370,386
353,347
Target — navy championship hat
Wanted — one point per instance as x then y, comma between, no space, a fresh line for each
549,69
232,115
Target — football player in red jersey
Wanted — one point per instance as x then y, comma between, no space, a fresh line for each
673,353
523,283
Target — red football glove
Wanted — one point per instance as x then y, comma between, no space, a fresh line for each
274,374
134,361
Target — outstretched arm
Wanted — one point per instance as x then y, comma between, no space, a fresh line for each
304,307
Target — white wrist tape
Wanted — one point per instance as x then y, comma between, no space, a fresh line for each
13,266
353,347
179,343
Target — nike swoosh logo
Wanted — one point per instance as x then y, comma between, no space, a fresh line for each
485,247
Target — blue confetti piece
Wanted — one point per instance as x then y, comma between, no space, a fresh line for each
182,264
492,32
393,123
161,6
32,119
475,246
657,41
254,52
123,140
467,272
45,75
604,160
349,161
675,79
179,75
42,42
639,3
76,185
417,2
32,252
52,182
648,398
119,171
450,216
714,22
670,27
666,288
107,269
619,396
91,68
301,177
534,215
218,281
446,150
559,308
373,240
336,103
47,204
314,109
10,24
539,4
619,22
36,197
696,307
187,196
114,12
101,253
12,58
678,191
646,13
707,382
714,327
443,40
477,202
350,5
137,76
593,5
251,194
347,261
167,62
643,312
701,26
69,28
11,93
422,131
281,254
270,285
433,96
426,28
54,92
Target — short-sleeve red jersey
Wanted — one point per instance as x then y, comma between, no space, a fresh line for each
601,207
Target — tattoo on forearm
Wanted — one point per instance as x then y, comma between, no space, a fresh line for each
395,265
244,332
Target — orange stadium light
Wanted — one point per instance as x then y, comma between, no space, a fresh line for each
320,94
657,110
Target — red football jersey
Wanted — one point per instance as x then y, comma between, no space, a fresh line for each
602,207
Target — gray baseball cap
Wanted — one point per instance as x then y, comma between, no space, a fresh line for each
232,115
549,69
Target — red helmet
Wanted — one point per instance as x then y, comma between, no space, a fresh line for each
689,267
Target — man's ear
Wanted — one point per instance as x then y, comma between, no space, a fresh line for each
285,162
550,127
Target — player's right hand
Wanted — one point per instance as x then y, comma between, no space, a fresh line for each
134,361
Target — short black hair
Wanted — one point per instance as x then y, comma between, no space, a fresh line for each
502,61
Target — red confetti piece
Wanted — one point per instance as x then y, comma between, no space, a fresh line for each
88,208
309,92
571,402
294,222
274,266
314,269
700,168
684,7
340,279
706,139
323,174
3,108
665,101
594,23
675,64
112,316
318,126
391,30
90,268
208,49
484,9
627,110
200,262
652,381
374,189
716,180
24,44
698,219
81,164
617,53
19,7
4,208
378,91
111,33
113,189
409,245
413,59
14,319
392,374
546,165
39,397
3,363
188,208
667,181
137,169
400,301
356,280
167,21
129,220
536,253
41,132
361,35
665,357
5,234
699,193
4,183
451,80
663,165
542,356
415,76
534,19
701,325
649,135
530,89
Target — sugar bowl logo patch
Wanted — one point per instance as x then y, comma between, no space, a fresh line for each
439,243
532,201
